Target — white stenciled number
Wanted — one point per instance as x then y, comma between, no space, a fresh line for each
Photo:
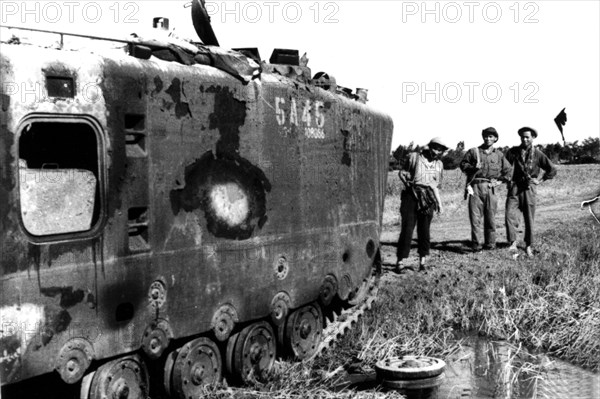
306,113
293,113
311,121
315,133
320,117
279,112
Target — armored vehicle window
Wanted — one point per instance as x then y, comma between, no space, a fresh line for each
59,177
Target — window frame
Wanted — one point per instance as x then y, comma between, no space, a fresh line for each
101,144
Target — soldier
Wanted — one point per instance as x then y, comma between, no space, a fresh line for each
527,162
421,175
486,168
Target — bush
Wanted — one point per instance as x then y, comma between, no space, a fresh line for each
583,160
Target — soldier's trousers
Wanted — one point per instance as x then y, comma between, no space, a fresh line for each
520,199
483,205
411,218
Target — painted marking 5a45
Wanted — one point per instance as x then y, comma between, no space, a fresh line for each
306,114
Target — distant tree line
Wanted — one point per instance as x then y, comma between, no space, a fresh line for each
588,151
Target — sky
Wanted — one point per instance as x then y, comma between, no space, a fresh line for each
438,68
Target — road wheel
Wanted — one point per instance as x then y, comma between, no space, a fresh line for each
125,378
304,331
197,363
251,352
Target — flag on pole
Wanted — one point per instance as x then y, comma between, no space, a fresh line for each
561,120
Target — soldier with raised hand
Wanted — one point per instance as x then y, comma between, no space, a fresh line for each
486,168
421,175
528,162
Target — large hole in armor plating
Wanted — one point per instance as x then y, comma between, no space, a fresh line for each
230,191
230,203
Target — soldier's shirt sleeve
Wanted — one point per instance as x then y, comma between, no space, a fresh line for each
510,156
441,176
547,166
406,166
506,171
467,165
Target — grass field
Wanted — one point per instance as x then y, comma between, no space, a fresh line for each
549,303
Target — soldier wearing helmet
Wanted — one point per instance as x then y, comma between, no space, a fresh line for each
486,168
421,175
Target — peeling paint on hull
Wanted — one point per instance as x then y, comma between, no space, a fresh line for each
19,325
207,187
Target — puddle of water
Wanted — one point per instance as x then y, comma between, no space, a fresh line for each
491,369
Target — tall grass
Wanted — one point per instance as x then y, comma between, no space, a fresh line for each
551,303
304,380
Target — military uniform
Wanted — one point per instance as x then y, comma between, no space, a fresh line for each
522,192
483,202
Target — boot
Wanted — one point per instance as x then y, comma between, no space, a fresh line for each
529,251
422,263
399,267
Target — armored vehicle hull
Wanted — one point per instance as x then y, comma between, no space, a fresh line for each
147,206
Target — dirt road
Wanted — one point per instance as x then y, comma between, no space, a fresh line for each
452,233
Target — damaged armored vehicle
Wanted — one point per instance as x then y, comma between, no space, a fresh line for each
176,212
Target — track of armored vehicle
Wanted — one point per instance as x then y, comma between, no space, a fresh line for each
176,212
